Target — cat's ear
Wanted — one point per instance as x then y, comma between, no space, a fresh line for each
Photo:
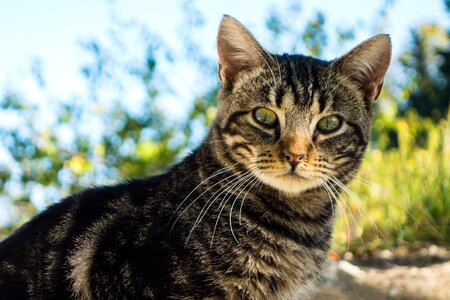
237,48
367,63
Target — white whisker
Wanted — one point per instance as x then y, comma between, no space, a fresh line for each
211,200
358,201
254,181
193,201
243,199
341,208
222,206
216,173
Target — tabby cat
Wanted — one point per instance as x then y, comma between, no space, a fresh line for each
248,215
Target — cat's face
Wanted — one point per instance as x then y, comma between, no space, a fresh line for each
294,121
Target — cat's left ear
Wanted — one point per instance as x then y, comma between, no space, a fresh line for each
367,63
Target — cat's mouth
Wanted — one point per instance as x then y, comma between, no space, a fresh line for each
291,182
293,174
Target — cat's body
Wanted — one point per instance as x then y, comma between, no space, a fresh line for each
116,243
247,215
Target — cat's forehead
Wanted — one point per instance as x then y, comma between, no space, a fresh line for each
298,73
300,82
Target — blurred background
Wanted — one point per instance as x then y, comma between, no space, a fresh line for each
95,92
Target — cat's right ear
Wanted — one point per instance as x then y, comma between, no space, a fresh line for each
238,50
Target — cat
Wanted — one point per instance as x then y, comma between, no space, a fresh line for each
247,215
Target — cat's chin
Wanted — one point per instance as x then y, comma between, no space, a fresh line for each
292,184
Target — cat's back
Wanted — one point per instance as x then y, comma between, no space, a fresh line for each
53,253
72,215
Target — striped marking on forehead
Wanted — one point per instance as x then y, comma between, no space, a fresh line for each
301,77
291,77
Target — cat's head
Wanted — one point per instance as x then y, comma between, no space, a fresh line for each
295,121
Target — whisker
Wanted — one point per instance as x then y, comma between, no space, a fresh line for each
243,199
211,200
342,210
321,183
221,208
254,181
231,210
351,214
358,201
193,201
216,173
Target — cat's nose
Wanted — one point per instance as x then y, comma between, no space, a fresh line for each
294,149
293,157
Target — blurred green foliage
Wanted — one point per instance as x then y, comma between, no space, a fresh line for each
401,195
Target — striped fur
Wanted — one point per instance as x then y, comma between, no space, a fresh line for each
248,215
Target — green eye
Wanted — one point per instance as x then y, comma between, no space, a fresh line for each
265,116
328,124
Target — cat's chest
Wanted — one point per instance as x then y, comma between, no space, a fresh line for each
265,272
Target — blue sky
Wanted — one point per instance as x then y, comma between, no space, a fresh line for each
52,29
